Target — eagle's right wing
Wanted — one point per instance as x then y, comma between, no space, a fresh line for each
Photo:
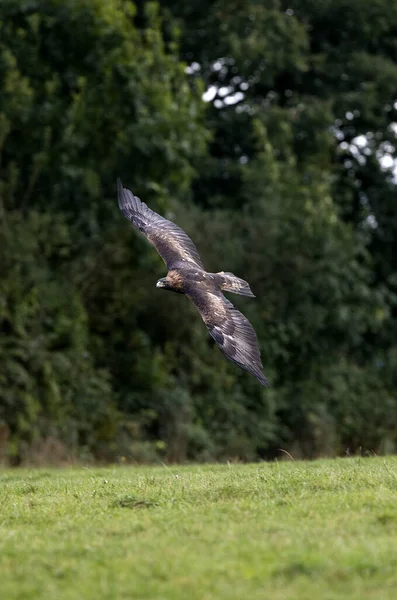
230,329
170,241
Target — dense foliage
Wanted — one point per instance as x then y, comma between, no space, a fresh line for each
283,174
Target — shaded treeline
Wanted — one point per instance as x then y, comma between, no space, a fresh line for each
284,176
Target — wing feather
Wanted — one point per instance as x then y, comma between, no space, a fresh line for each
230,329
170,241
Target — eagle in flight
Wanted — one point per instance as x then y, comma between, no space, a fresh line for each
232,332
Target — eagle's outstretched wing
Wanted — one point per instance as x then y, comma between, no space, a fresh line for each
170,241
232,332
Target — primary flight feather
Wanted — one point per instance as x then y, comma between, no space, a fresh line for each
232,332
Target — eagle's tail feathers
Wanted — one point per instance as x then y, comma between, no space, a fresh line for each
231,283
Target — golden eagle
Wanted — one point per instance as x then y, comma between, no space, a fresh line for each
232,332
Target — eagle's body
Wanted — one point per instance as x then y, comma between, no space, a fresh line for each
232,332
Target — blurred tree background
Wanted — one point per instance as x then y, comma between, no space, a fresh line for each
266,129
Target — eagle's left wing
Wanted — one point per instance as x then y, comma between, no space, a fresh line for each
230,329
170,241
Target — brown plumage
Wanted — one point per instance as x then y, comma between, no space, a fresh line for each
232,332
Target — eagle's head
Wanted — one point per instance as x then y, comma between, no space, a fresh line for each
164,283
172,282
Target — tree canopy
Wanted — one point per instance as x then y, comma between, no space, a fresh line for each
267,131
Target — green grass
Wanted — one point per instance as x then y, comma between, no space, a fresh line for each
279,531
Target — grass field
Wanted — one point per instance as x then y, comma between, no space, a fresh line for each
286,530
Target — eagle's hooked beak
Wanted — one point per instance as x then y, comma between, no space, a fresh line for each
161,283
